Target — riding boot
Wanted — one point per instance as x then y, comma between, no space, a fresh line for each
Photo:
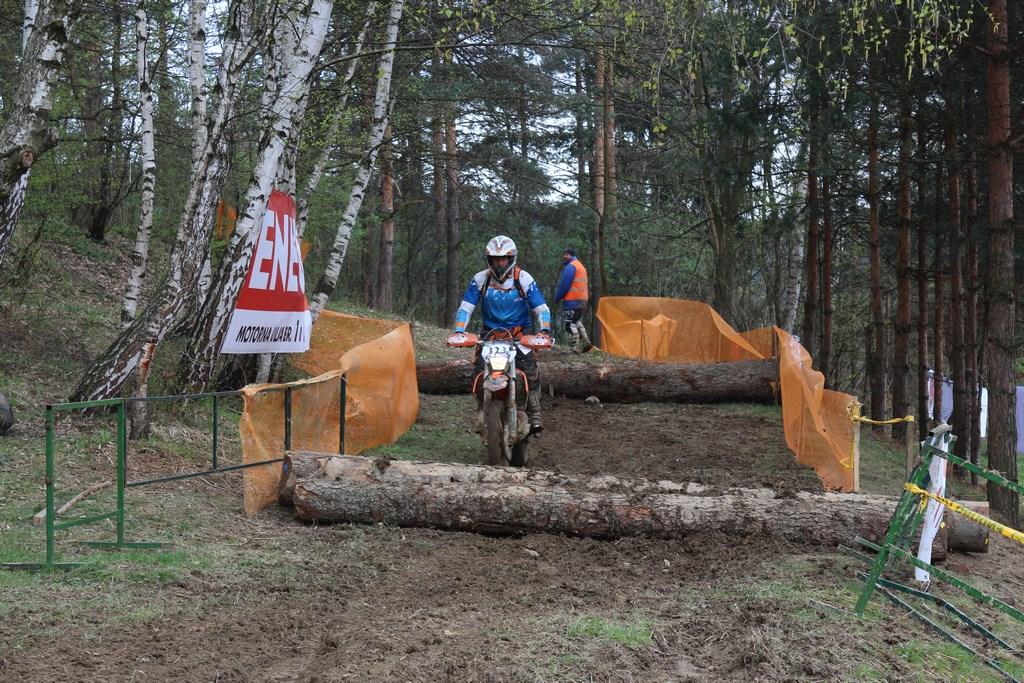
586,345
533,411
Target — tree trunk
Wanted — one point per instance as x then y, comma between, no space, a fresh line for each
878,351
102,124
197,76
792,278
26,134
922,288
28,23
329,279
627,381
608,215
1000,349
140,254
960,421
368,491
582,184
453,289
440,220
939,334
303,465
299,56
599,169
826,282
901,342
809,338
386,267
971,317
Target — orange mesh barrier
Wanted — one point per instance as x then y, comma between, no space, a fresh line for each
816,420
382,400
669,329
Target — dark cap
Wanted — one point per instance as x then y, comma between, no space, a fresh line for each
570,251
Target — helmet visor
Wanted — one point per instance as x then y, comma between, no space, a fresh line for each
501,266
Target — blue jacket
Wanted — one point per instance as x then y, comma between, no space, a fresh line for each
503,307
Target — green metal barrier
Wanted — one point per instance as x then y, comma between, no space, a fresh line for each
118,514
898,538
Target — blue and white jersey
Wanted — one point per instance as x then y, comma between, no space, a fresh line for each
503,307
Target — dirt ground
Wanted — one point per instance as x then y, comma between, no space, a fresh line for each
728,446
270,599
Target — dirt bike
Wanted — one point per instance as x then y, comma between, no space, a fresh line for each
506,428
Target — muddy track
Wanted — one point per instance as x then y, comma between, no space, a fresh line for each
346,603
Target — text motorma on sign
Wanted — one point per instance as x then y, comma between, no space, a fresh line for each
261,334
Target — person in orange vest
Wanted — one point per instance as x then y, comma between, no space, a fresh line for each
572,291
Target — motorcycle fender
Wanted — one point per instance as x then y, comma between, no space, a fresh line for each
495,383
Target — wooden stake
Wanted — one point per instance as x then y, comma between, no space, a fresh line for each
39,519
911,454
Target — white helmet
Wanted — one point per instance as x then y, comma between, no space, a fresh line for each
501,246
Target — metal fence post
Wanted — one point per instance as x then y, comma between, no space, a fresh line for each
49,485
288,419
216,420
122,457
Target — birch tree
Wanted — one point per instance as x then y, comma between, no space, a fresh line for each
26,134
109,373
140,255
28,23
335,260
387,226
293,84
197,75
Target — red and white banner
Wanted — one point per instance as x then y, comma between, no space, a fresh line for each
272,315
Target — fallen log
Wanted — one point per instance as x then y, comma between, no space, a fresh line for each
478,498
627,381
963,534
299,465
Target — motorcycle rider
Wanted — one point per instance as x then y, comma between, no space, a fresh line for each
507,295
572,292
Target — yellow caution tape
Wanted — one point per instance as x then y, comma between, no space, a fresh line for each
868,420
1008,532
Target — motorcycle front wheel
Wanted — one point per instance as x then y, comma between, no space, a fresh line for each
519,453
494,429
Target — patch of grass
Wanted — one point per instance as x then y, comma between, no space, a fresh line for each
869,673
882,463
633,634
946,661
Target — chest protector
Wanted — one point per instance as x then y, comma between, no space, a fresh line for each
515,282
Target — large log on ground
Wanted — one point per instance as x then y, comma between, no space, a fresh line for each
625,381
505,500
964,535
300,465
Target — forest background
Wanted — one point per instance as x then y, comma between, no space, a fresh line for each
844,170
